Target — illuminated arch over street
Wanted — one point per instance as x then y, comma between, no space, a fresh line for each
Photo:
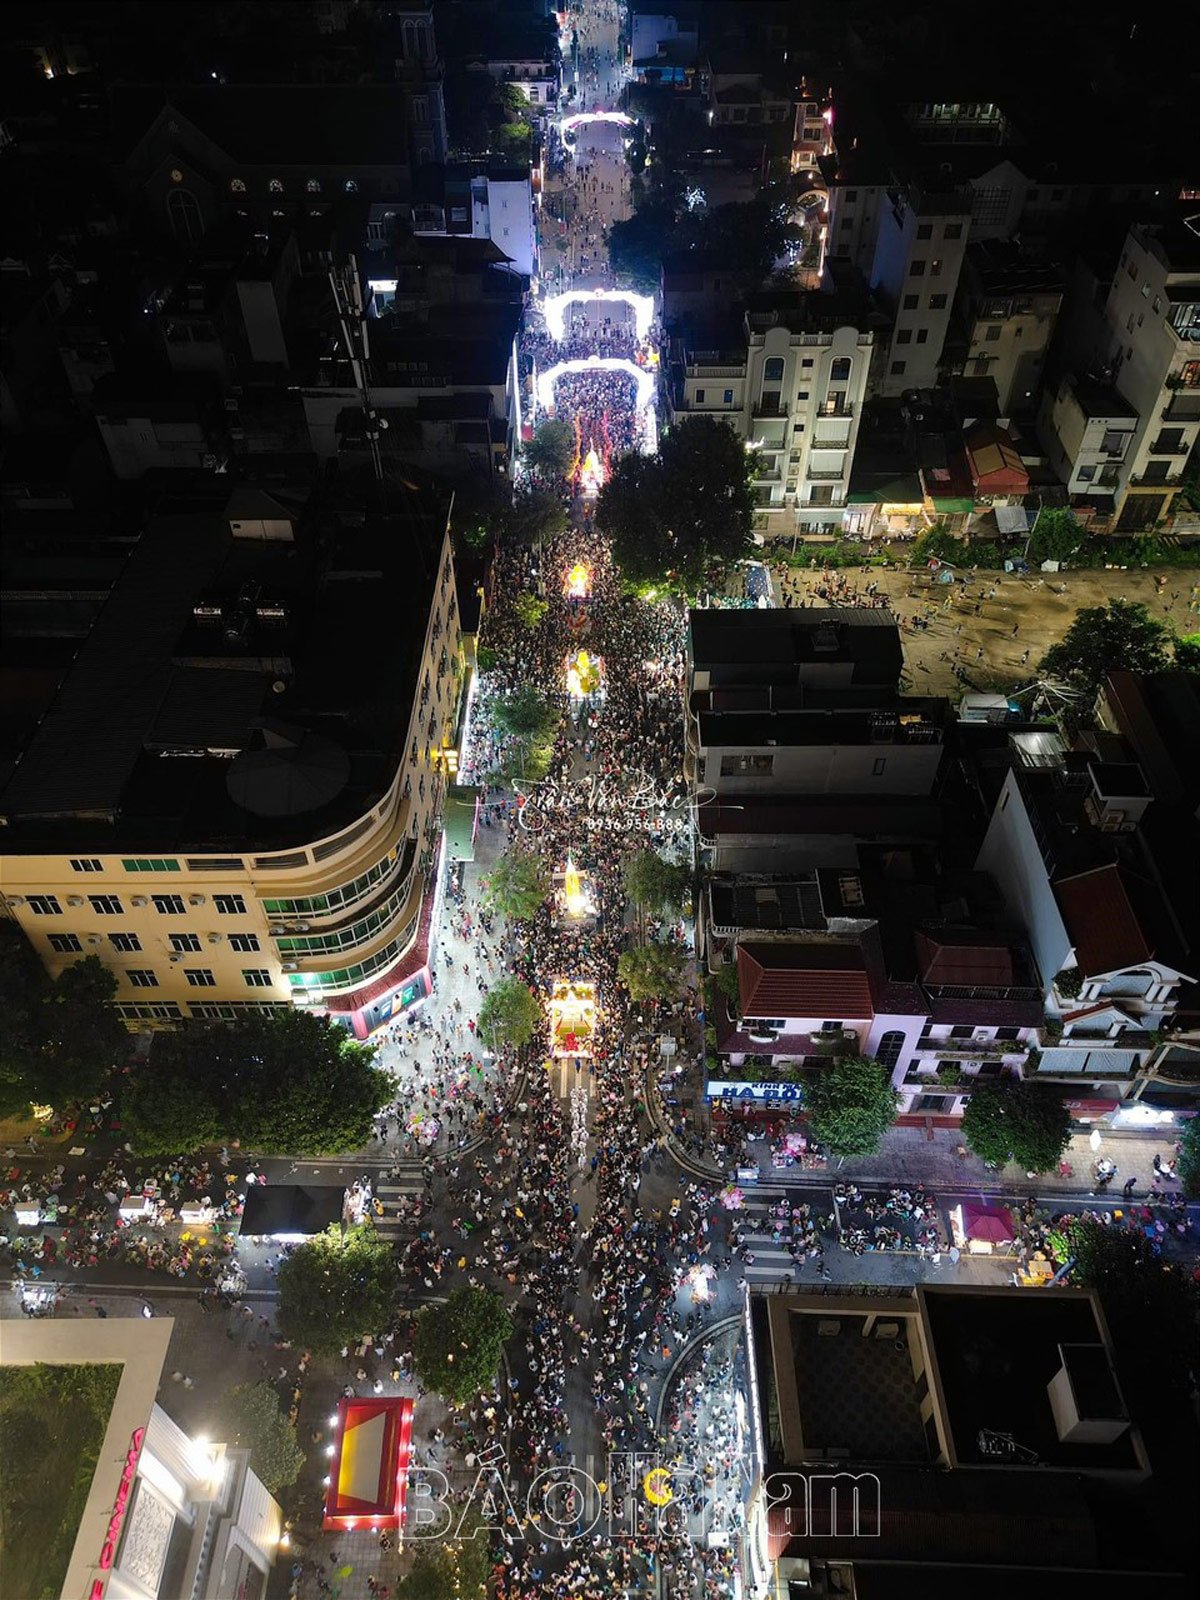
554,307
547,380
569,124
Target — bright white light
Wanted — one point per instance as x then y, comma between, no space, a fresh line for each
554,307
569,124
547,380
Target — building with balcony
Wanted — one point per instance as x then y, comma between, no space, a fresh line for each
791,383
920,245
1087,429
219,797
1008,306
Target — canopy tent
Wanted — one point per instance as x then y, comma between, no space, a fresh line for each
292,1210
982,1228
368,1478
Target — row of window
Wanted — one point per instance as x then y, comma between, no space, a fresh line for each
109,905
140,864
67,944
311,186
208,1011
335,899
198,977
356,933
344,977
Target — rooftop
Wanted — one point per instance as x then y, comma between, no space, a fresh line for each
787,640
781,904
1098,399
1112,916
793,979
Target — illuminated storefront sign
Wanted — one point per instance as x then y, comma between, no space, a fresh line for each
781,1093
108,1551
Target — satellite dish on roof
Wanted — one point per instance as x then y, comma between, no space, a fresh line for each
293,771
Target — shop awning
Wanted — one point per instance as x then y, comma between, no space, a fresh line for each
989,1224
460,821
1012,519
368,1478
953,504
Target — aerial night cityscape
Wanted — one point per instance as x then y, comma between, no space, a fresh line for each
599,800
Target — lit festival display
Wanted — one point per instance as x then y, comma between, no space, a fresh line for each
572,1018
573,895
368,1476
585,675
578,583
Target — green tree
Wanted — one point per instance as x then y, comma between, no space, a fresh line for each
654,884
1189,1156
851,1105
636,244
337,1288
552,448
1103,639
518,886
1007,1119
677,516
251,1418
939,544
525,714
652,971
84,1038
1056,536
432,1576
532,517
457,1345
289,1083
509,1015
24,985
530,609
1187,653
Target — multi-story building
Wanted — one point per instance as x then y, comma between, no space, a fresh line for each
920,244
792,385
1153,355
218,797
1087,428
1009,309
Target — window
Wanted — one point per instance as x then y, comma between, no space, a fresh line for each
1087,474
125,941
276,186
910,302
160,1011
952,230
963,1031
313,186
846,224
1008,1033
839,372
200,977
922,335
351,186
851,197
937,302
806,361
106,905
700,393
153,864
44,905
86,864
924,230
142,977
904,336
879,766
773,369
890,1046
236,186
747,766
916,269
66,944
728,397
230,905
168,905
256,977
897,369
992,336
934,1103
832,1027
243,941
935,268
185,943
184,216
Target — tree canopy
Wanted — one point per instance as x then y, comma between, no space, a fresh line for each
509,1015
518,885
530,609
457,1345
1189,1156
290,1083
551,451
337,1288
59,1038
1056,535
1007,1119
252,1419
1103,639
652,971
655,884
851,1105
674,516
525,714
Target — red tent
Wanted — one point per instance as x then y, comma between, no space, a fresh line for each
368,1476
988,1224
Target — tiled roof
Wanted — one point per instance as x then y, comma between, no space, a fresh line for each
965,956
1104,927
803,980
